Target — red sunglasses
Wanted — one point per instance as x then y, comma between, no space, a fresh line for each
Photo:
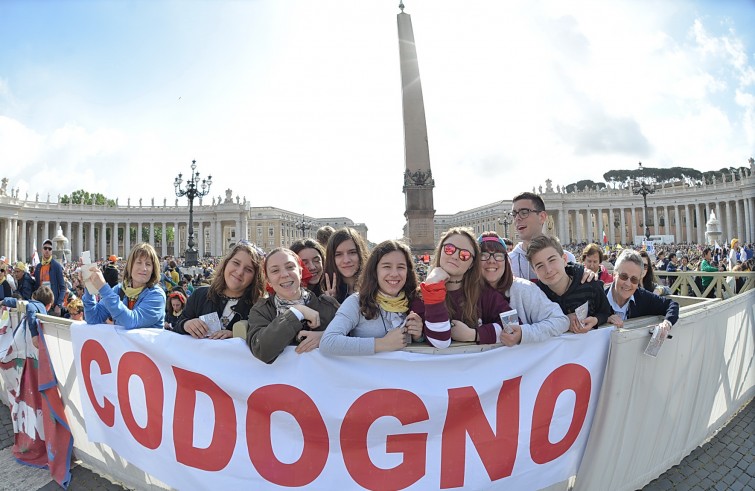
450,249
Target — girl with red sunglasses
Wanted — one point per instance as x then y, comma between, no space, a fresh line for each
459,306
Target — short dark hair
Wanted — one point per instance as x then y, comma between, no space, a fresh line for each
535,198
43,295
706,251
542,242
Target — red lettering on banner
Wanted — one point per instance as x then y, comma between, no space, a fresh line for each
260,406
567,377
497,450
403,405
218,454
140,365
92,351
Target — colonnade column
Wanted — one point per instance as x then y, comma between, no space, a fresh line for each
623,225
700,216
238,231
114,240
740,224
747,236
13,240
201,239
656,228
68,236
633,225
163,239
688,223
219,238
90,242
22,252
176,240
578,220
151,233
126,238
600,225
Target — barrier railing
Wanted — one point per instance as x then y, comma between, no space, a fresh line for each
652,412
685,283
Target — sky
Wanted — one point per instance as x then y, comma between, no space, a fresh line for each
297,103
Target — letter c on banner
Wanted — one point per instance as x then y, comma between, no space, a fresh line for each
92,351
403,405
218,454
139,364
566,377
260,406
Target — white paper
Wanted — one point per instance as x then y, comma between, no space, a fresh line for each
581,313
86,263
508,319
656,341
213,322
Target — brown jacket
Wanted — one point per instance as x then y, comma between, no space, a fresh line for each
268,333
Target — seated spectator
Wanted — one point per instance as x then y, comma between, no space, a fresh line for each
628,301
592,259
547,258
540,318
110,271
378,317
75,309
313,256
458,305
138,301
24,281
291,314
5,289
648,276
176,304
236,285
41,302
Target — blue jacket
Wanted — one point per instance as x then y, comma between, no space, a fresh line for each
148,311
25,287
648,303
32,309
57,284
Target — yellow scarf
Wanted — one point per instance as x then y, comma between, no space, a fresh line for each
45,262
398,304
132,293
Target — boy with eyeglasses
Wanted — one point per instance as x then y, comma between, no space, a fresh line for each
529,216
50,273
628,301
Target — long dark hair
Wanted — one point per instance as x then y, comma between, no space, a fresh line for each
648,282
493,246
255,289
368,282
471,282
338,237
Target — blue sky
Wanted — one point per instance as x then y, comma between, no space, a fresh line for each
297,104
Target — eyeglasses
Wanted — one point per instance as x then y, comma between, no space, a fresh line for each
450,249
523,212
624,277
47,248
498,256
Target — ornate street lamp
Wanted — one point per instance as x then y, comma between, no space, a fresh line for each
303,225
192,190
505,222
644,190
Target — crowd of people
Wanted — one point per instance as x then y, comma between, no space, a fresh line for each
335,294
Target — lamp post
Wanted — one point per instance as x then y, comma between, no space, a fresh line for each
303,225
192,190
644,190
505,222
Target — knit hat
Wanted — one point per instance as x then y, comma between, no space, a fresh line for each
20,265
734,241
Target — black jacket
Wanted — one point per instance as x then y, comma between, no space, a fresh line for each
648,303
200,304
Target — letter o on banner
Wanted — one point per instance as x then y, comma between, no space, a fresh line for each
566,377
140,365
260,406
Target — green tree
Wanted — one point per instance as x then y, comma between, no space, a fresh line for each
84,197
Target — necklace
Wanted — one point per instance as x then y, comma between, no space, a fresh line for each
225,297
454,282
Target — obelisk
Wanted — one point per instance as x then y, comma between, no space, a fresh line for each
418,178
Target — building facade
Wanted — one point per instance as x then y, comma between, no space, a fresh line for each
106,230
678,210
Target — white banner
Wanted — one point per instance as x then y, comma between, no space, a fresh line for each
206,414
